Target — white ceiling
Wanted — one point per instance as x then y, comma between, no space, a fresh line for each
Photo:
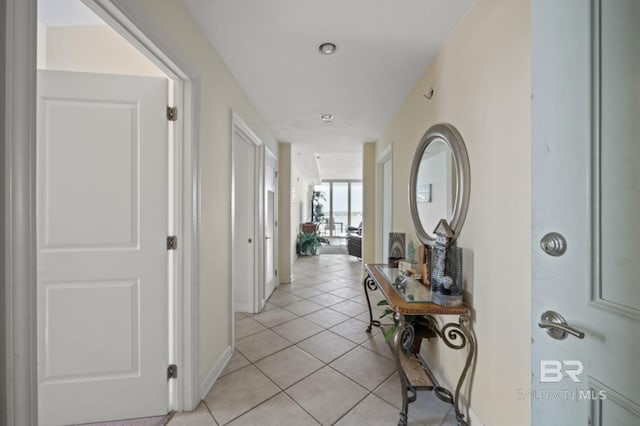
271,48
383,48
58,13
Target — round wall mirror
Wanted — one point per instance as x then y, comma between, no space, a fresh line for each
439,182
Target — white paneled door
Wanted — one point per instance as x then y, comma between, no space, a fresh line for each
245,225
586,210
102,255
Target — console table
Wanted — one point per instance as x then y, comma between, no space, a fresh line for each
407,296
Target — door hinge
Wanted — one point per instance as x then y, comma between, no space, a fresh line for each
276,274
172,113
276,174
276,225
172,242
172,372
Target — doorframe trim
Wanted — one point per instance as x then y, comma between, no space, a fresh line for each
269,154
386,155
184,330
20,251
21,391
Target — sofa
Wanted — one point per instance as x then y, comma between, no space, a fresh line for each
354,245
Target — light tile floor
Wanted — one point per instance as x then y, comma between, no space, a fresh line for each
307,360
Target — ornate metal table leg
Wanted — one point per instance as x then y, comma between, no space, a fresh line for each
402,338
450,333
370,284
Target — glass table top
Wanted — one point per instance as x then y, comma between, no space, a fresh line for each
412,290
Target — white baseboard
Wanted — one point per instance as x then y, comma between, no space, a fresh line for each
241,307
287,280
215,372
441,377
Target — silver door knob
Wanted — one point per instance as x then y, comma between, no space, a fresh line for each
557,327
553,244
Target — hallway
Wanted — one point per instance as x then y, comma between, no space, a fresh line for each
307,360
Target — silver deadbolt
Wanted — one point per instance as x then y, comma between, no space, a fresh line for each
553,244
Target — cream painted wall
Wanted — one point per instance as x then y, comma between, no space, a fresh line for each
293,209
93,49
285,257
368,203
219,93
482,83
296,200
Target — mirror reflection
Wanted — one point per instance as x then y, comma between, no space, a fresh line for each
435,185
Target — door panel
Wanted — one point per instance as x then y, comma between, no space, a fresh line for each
585,153
103,135
102,258
108,332
617,144
614,410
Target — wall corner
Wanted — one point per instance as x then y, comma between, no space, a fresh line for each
369,202
285,250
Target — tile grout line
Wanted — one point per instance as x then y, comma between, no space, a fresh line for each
210,412
328,364
324,328
284,390
306,338
359,345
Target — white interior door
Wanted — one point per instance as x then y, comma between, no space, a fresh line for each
244,223
586,151
270,230
102,257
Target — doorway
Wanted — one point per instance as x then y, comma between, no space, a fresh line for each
246,218
384,205
20,144
104,159
271,226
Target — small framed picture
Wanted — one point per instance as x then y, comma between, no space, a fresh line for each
423,194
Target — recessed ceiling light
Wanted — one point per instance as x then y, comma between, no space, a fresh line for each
326,117
327,48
